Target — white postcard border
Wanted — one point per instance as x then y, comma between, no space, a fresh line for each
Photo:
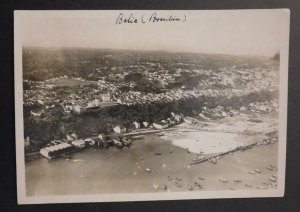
19,131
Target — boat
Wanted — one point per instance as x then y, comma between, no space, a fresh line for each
137,137
160,134
89,141
126,141
117,143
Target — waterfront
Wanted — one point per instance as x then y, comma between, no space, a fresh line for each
152,164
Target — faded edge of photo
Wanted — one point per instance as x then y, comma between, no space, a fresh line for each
19,131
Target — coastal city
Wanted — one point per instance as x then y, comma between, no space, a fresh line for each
164,113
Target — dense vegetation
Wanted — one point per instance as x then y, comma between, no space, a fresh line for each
55,124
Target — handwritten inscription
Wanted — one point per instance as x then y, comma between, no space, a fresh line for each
153,18
129,19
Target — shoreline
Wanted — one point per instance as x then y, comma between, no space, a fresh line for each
141,169
158,164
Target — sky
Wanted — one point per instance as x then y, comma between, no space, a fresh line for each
239,32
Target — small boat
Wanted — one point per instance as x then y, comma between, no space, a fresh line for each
160,134
198,159
137,137
212,160
67,157
223,180
89,141
126,141
117,143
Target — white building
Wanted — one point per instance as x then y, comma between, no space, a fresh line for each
27,141
146,124
79,143
74,135
77,108
106,97
137,125
69,138
119,129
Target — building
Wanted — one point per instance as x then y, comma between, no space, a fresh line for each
146,124
93,103
136,125
160,126
79,143
69,138
119,129
55,150
74,135
106,98
27,141
77,108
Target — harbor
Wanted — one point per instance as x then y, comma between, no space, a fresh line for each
119,136
183,157
151,164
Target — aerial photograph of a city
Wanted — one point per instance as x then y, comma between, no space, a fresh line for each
101,120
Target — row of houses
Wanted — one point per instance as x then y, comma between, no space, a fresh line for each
162,124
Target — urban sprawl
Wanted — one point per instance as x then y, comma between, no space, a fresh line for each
145,81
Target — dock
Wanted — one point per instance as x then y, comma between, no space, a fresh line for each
142,132
239,148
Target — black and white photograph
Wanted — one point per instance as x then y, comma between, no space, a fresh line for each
132,105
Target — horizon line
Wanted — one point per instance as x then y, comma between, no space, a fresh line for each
148,50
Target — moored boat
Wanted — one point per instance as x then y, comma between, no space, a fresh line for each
117,143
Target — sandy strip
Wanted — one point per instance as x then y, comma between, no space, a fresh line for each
204,142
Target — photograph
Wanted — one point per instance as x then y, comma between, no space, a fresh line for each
139,105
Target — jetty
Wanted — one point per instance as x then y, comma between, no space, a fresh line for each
239,148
